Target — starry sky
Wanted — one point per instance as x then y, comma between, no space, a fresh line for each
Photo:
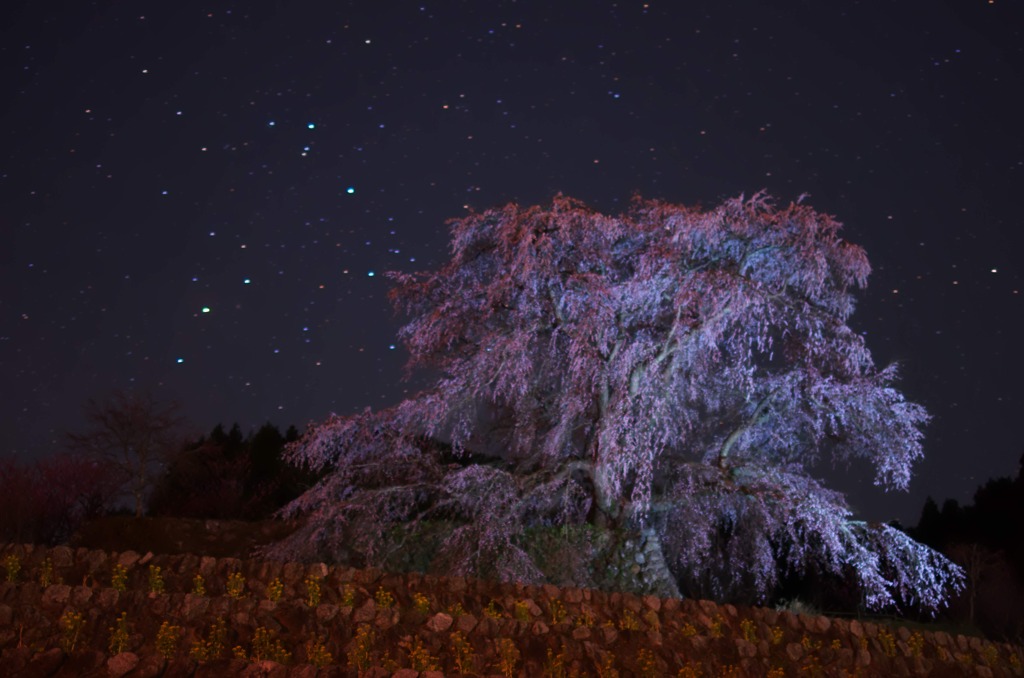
200,199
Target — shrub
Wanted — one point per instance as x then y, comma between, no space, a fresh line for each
119,578
421,603
348,596
46,573
236,585
156,580
266,646
555,666
71,624
492,611
275,589
384,599
361,654
420,658
167,638
629,621
748,630
214,645
13,566
461,653
45,502
119,635
508,656
317,653
646,664
557,611
312,591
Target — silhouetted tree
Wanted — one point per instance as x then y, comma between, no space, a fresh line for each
999,513
671,374
272,483
977,562
202,481
930,526
231,443
265,448
20,502
986,538
226,475
132,433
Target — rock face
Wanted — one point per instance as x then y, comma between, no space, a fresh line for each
377,624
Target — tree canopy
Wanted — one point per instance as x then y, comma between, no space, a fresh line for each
671,373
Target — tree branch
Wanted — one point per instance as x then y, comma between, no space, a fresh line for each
759,414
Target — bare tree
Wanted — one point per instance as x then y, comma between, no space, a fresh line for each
978,563
133,433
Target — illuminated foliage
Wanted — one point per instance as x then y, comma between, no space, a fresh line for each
672,371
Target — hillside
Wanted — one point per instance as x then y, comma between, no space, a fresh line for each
61,610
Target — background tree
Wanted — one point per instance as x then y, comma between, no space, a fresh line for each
20,502
202,480
978,563
132,433
229,476
46,501
668,377
986,538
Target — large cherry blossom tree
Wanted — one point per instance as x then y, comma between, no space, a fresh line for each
673,374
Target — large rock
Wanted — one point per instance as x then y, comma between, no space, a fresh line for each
440,622
56,596
365,612
122,663
150,666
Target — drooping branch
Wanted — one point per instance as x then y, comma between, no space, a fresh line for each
758,416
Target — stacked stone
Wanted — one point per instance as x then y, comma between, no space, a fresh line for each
581,629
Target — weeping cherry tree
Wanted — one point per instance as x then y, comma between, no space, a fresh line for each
670,374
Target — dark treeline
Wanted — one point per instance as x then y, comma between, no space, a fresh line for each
986,538
223,475
228,475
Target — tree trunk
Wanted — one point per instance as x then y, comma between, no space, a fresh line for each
140,494
655,568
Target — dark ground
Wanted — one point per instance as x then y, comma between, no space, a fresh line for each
215,538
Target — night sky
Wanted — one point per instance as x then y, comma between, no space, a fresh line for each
201,199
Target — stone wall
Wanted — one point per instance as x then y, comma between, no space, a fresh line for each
58,616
